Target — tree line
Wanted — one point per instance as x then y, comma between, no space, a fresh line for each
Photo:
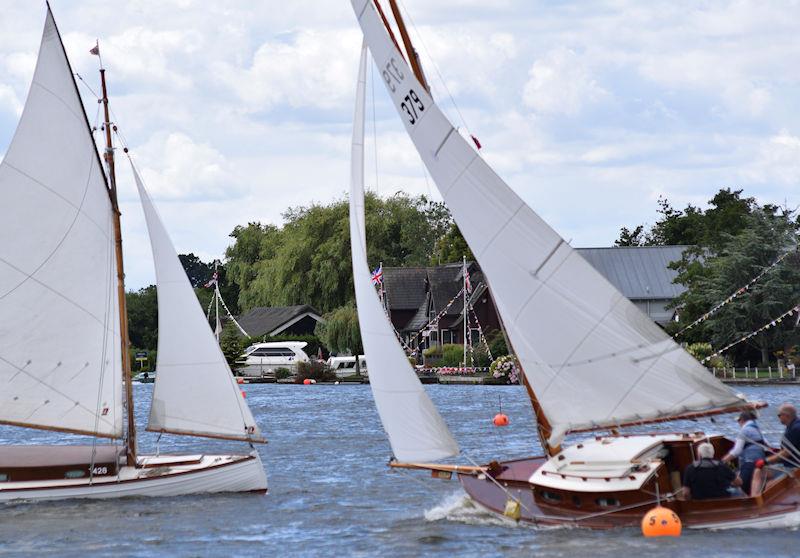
728,245
306,260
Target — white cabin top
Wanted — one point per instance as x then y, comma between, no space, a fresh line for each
606,464
295,345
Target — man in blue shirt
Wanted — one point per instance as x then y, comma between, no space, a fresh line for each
789,454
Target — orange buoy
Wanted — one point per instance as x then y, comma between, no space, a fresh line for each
500,419
239,380
243,393
307,381
661,522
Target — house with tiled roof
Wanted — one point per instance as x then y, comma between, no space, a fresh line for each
279,320
424,307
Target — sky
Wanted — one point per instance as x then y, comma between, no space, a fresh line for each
591,111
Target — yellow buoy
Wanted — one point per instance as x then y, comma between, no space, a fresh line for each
661,522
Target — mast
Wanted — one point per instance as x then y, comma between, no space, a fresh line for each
123,309
413,57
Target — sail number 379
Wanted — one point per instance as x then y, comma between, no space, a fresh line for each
411,104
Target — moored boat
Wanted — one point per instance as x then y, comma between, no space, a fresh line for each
591,361
62,288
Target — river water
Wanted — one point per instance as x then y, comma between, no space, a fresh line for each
332,494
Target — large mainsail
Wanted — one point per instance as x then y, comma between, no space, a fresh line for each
592,358
59,320
415,429
195,392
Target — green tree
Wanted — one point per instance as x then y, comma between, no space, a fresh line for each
232,344
635,237
143,317
340,332
198,271
451,247
307,261
731,263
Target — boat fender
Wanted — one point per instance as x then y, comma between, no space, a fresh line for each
513,509
661,522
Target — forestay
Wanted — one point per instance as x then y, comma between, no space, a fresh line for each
592,358
60,365
415,429
195,392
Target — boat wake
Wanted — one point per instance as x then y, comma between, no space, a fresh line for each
460,508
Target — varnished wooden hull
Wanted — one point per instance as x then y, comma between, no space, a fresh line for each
779,506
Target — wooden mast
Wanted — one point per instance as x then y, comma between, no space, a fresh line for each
413,58
123,309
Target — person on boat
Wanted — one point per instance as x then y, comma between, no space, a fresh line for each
749,448
789,454
708,477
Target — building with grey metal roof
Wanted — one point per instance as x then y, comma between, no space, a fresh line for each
642,274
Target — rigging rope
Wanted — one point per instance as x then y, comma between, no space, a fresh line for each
739,292
765,327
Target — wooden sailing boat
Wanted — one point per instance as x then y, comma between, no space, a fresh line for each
63,324
591,360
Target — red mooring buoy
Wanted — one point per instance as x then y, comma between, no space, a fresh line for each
500,419
307,381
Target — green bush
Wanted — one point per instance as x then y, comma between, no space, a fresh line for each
282,373
452,355
314,370
497,343
699,350
480,357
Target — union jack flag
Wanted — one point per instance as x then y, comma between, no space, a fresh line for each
213,281
467,282
377,276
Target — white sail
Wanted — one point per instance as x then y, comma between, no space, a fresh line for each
195,392
592,358
60,364
415,429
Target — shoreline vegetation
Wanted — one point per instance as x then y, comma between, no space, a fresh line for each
306,260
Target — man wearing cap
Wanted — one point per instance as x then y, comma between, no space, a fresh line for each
789,454
749,448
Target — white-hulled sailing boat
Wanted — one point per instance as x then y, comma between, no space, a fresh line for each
591,360
63,324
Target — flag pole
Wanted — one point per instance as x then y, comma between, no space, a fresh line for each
217,328
464,288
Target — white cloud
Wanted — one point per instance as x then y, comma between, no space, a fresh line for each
9,101
174,166
304,71
559,83
778,162
237,110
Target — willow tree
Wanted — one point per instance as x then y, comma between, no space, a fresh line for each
307,260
